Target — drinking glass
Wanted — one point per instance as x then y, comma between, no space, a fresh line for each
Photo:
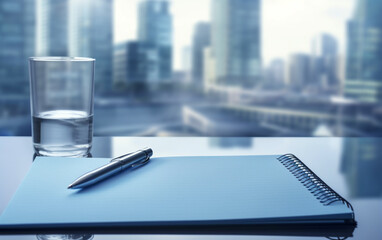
62,90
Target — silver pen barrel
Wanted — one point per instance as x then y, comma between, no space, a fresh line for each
116,165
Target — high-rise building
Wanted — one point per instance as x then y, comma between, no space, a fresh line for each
17,41
135,62
364,48
275,74
324,62
143,62
155,30
91,35
52,27
120,64
298,71
186,64
209,72
201,40
155,22
235,41
78,28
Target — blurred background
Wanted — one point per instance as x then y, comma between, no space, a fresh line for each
205,67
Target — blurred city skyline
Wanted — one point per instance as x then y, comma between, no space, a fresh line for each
211,68
287,27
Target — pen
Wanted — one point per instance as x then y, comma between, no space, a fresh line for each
116,165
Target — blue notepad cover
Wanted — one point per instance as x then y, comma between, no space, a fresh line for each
168,191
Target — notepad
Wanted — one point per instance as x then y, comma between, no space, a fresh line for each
176,191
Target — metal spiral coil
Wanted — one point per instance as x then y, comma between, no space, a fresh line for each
311,181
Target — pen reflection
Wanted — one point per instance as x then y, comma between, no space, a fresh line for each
65,237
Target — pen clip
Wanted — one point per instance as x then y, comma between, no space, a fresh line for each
118,158
136,164
140,164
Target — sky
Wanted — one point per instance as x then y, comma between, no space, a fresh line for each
287,26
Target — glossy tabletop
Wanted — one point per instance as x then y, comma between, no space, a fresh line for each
351,166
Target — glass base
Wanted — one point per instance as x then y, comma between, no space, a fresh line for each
62,151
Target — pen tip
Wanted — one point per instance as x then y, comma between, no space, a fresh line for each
70,186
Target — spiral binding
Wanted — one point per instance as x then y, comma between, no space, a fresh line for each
311,181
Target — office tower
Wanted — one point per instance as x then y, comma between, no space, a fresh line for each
143,62
364,48
78,28
341,72
201,40
52,27
209,72
155,30
298,71
324,62
235,41
120,64
275,74
91,35
186,64
136,62
17,38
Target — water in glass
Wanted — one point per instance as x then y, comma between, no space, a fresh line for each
62,133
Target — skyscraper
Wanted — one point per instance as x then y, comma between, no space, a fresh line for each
78,28
298,71
17,38
186,63
235,42
324,62
209,71
52,27
136,62
155,29
364,53
120,64
201,40
143,62
275,74
91,35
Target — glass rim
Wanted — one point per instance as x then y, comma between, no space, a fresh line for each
62,59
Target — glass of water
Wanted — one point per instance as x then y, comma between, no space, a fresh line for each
62,90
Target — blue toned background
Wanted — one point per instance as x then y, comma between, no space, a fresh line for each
205,68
